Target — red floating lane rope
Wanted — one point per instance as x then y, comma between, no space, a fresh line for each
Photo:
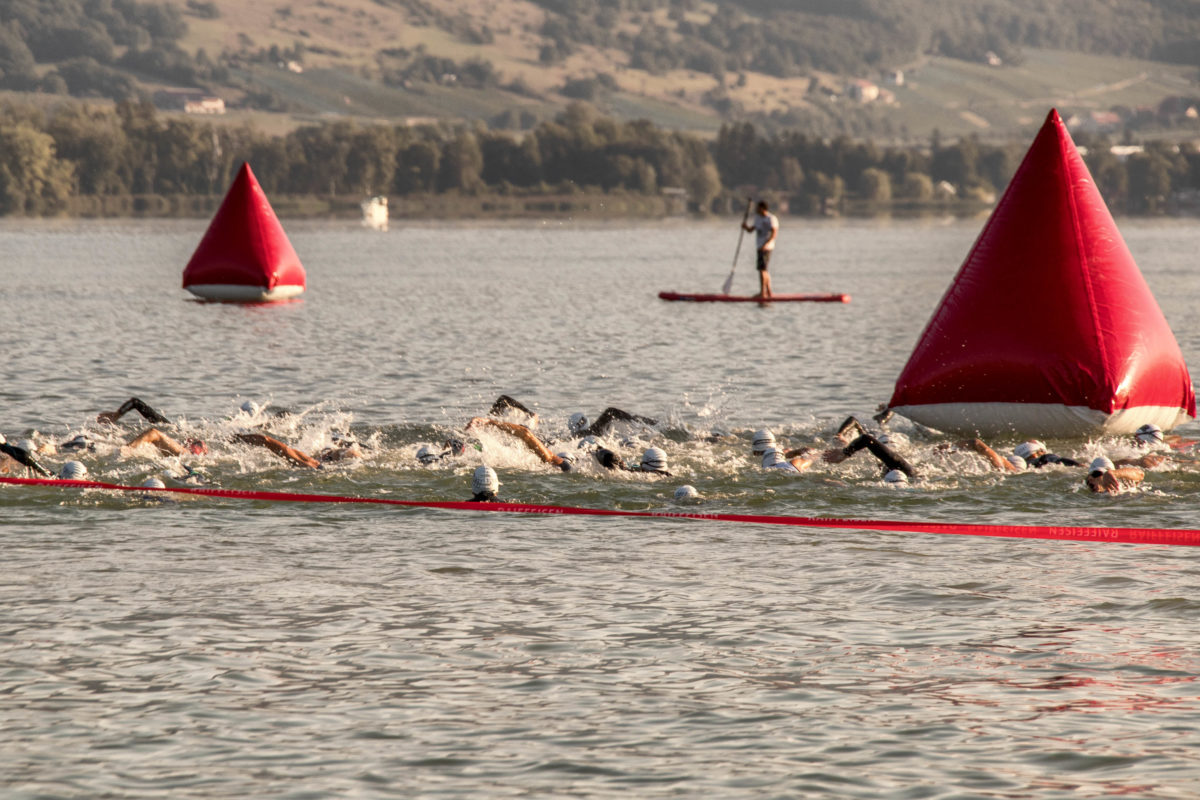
1184,536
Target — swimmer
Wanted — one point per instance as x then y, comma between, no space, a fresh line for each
170,447
277,447
527,437
164,444
451,448
484,484
1104,477
763,441
17,455
73,471
579,425
1146,437
505,404
687,494
1036,457
1015,463
773,458
889,459
133,404
654,461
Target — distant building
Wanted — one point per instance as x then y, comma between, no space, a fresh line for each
191,101
862,90
1095,122
894,77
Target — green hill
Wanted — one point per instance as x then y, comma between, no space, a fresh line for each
894,70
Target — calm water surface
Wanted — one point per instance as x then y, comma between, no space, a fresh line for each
221,648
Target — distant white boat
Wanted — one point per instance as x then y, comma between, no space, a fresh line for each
375,213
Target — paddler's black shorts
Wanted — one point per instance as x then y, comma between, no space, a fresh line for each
764,258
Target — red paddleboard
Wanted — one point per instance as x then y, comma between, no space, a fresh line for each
737,298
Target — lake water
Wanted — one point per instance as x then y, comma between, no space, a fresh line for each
207,648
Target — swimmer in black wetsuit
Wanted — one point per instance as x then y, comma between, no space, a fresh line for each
867,441
654,461
578,424
133,404
23,457
1036,457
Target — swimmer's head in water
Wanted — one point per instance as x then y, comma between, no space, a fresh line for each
588,443
1031,449
27,445
153,483
485,481
1018,462
771,457
250,407
1149,434
455,446
196,447
1099,466
654,459
608,459
426,455
686,492
895,476
763,439
578,423
80,442
73,471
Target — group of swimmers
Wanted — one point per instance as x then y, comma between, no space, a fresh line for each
1103,475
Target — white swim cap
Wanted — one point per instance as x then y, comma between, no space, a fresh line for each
763,439
153,483
895,476
589,443
1100,464
884,438
771,456
485,480
1017,461
2,439
1027,449
426,455
251,407
654,459
1149,434
570,459
72,471
577,423
27,445
686,492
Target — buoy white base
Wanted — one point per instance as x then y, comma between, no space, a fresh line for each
1038,419
232,293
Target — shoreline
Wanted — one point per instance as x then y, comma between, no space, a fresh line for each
499,207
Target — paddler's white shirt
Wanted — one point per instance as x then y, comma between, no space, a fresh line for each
763,226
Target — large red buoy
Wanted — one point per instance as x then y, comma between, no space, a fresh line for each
1049,327
245,256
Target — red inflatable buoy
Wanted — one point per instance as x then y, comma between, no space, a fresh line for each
1049,327
245,256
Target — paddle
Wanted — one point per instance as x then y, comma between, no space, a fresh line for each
741,232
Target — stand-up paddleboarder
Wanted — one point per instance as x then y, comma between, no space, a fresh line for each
766,230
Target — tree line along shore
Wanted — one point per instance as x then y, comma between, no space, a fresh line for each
129,160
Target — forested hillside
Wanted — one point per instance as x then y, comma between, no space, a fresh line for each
683,64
